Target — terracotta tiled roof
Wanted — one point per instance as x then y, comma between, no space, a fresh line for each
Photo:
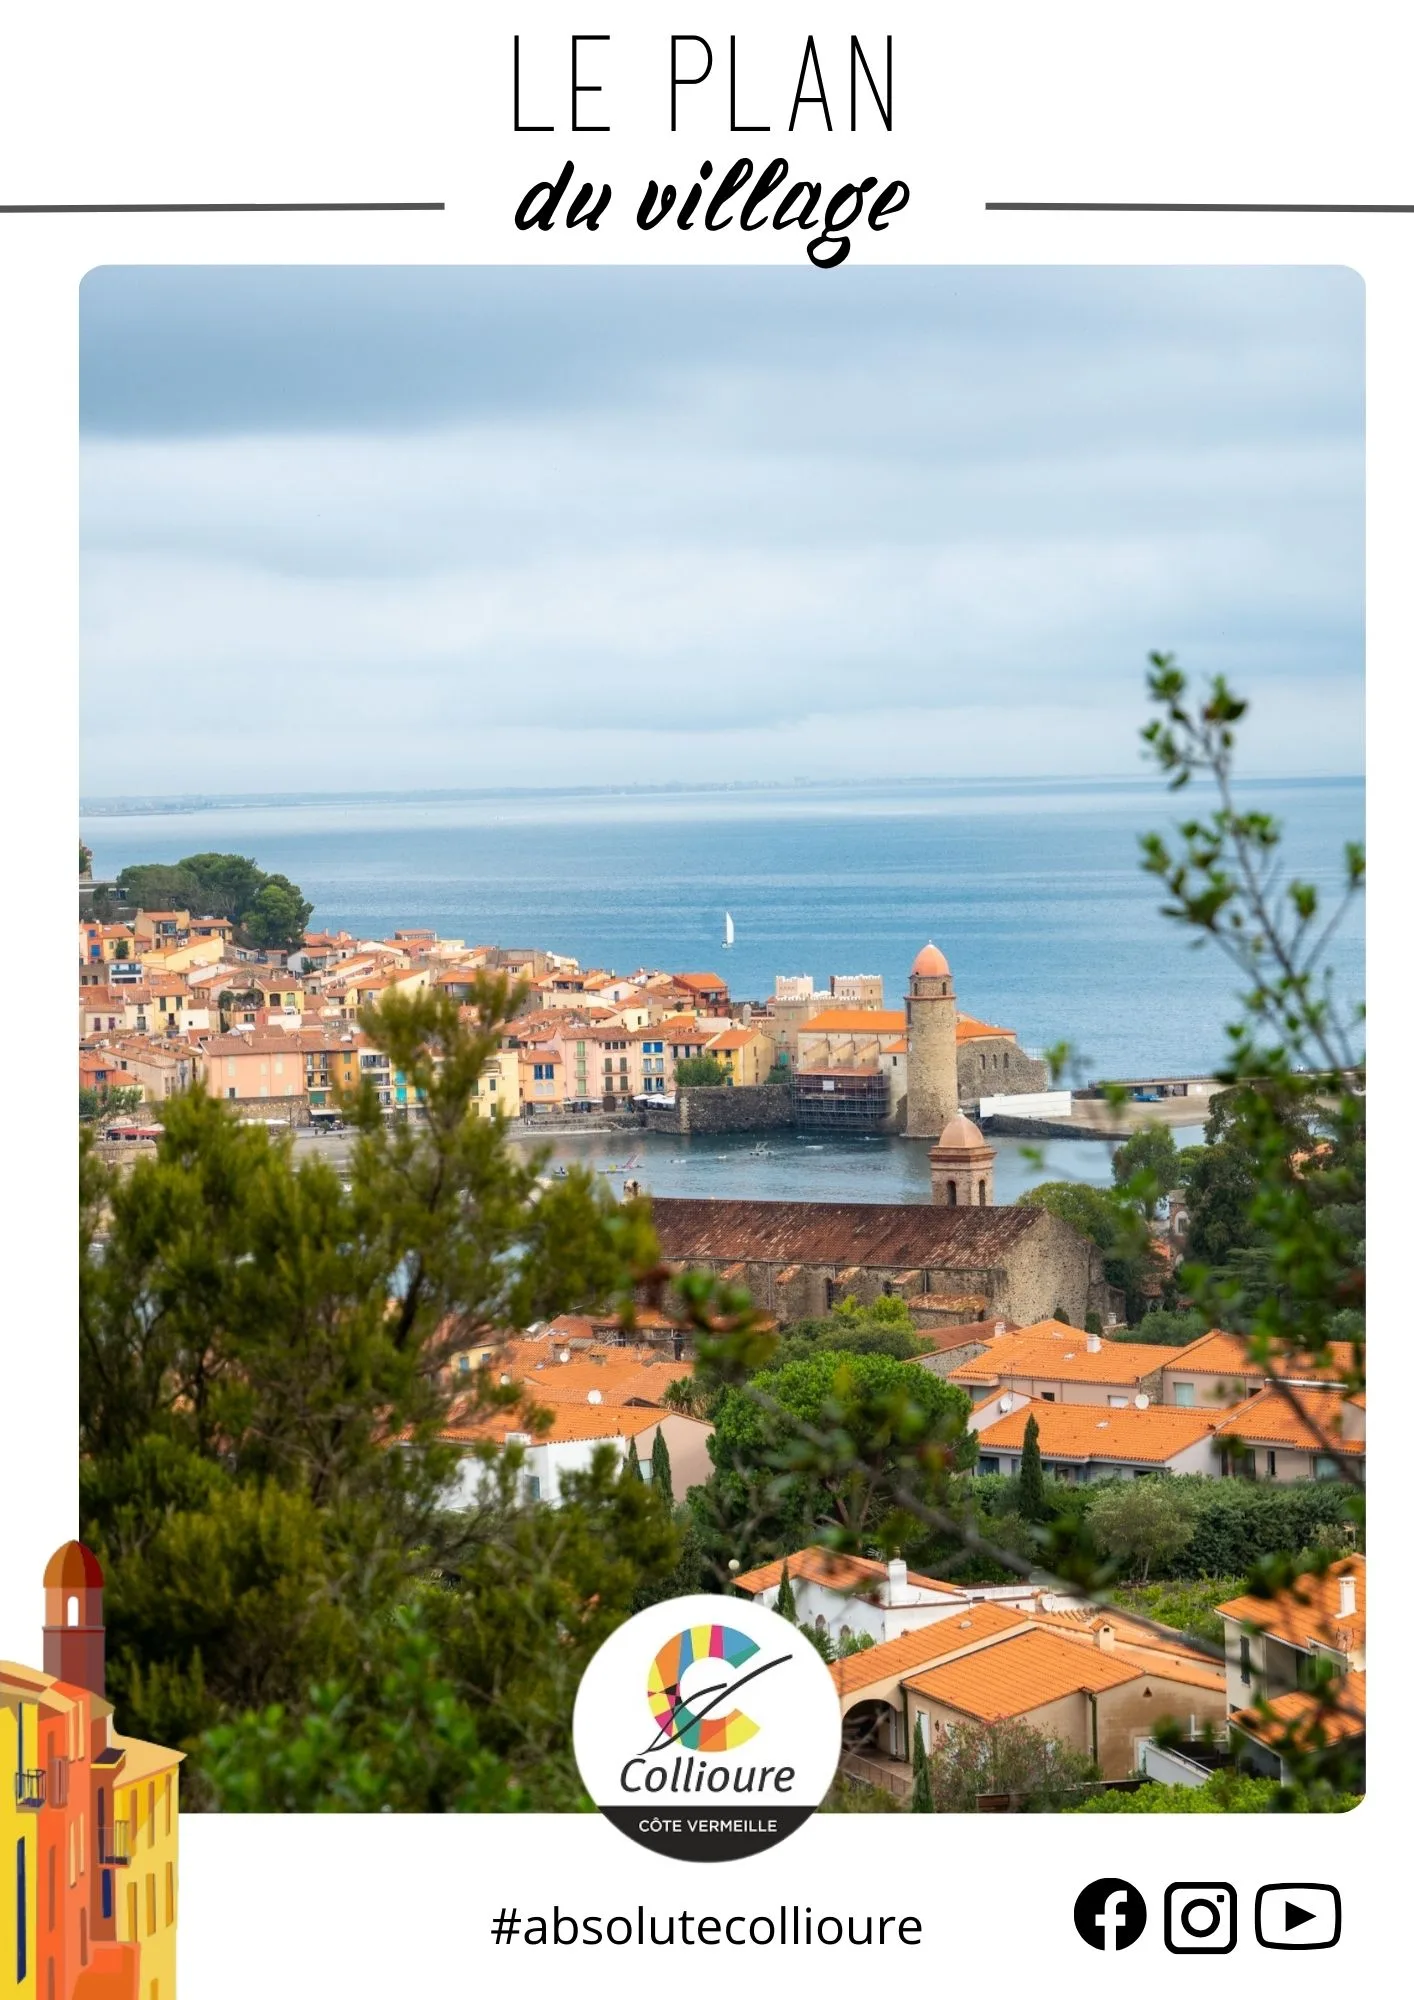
895,1659
851,1576
855,1021
1299,1721
1315,1425
901,1235
968,1030
700,982
1021,1674
1308,1614
1225,1354
572,1424
1034,1353
733,1038
1083,1431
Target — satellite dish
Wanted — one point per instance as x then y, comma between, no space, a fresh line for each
563,1355
1004,1405
505,1381
1141,1401
595,1396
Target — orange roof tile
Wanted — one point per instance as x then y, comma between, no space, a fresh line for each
851,1576
1300,1721
1082,1431
855,1021
1020,1674
1219,1353
1307,1614
571,1424
1041,1354
927,1646
1314,1425
968,1029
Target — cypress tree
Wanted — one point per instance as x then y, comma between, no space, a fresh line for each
922,1776
785,1596
1030,1486
632,1468
662,1466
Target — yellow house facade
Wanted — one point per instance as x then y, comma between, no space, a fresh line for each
145,1816
19,1853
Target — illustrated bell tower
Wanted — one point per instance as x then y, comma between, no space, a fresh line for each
73,1617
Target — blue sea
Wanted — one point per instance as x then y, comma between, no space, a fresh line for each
1033,889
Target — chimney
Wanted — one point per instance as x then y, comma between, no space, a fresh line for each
1347,1596
1092,1343
1105,1639
898,1581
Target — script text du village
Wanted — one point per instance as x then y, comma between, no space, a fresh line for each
741,195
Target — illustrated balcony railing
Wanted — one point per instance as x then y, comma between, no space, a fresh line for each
30,1788
115,1844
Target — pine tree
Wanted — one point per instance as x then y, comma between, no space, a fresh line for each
785,1597
922,1776
662,1466
1030,1485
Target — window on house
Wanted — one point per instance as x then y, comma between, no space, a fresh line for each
1244,1661
1048,1395
21,1914
1271,1465
1184,1395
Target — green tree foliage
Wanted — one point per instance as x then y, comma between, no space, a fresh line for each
662,1467
1235,1522
885,1327
1142,1524
785,1597
700,1073
268,910
110,1101
922,1777
1219,1184
1146,1166
1031,1499
851,1795
1009,1757
633,1468
257,1329
1163,1328
414,1746
1225,1792
1190,1608
820,1448
85,859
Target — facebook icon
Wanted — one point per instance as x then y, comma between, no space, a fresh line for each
1110,1914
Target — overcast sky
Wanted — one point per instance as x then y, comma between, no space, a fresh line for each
392,528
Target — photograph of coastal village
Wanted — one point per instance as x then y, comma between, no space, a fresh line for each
802,1157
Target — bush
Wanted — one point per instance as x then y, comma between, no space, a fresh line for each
1187,1607
1225,1792
1233,1523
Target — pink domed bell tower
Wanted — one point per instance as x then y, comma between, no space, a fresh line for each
932,1046
73,1617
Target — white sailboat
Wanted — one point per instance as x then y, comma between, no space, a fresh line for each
728,933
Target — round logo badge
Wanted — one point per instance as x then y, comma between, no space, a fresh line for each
707,1729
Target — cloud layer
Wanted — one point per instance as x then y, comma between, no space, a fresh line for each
393,528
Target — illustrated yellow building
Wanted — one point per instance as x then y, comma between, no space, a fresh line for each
19,1856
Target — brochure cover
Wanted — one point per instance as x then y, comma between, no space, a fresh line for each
721,1015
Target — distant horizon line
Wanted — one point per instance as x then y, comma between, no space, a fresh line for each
136,804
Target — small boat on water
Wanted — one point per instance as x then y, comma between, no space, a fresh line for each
728,933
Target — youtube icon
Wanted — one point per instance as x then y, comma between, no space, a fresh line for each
1298,1916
